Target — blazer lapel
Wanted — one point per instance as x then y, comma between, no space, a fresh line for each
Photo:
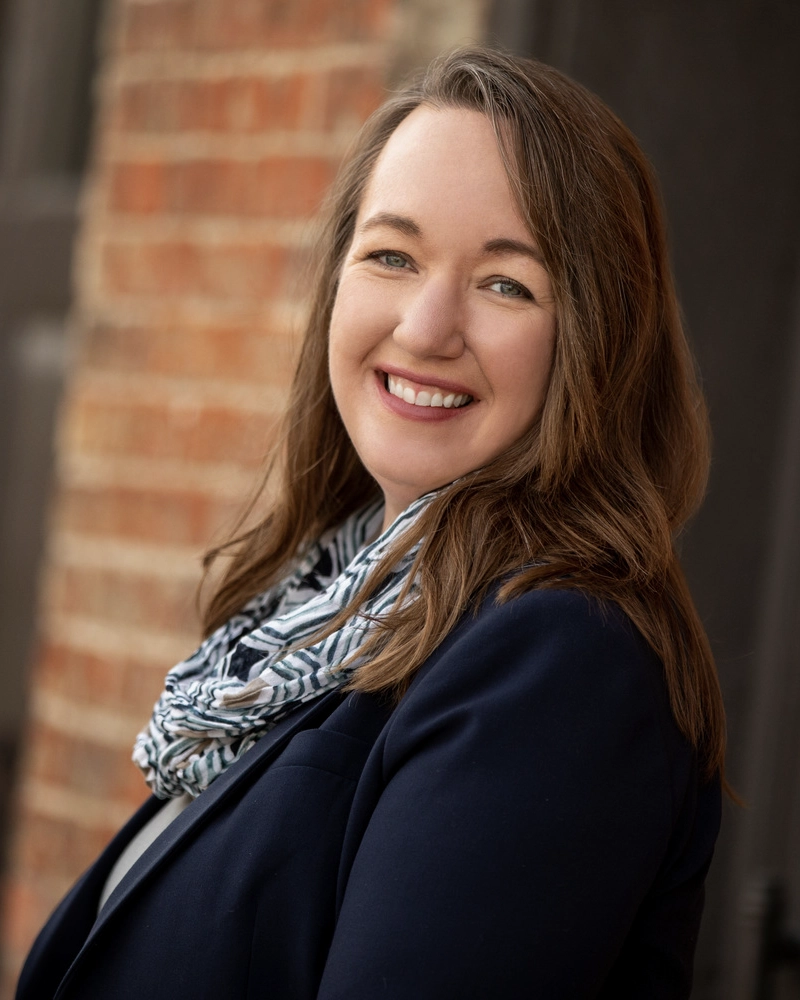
198,812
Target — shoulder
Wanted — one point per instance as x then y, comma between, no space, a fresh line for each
554,680
570,617
565,639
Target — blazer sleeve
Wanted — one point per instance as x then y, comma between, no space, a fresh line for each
533,788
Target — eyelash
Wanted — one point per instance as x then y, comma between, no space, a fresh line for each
376,255
524,293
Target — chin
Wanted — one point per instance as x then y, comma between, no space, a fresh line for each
400,494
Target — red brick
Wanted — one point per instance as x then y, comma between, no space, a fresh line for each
179,517
86,678
238,351
351,95
115,427
29,901
244,24
81,766
240,104
148,106
164,24
139,187
59,847
257,105
124,598
279,187
187,269
124,684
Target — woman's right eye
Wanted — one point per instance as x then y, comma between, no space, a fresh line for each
389,259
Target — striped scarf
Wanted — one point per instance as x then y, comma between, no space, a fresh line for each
241,681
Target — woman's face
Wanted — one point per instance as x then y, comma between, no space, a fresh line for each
442,333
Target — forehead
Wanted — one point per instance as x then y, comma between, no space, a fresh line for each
439,162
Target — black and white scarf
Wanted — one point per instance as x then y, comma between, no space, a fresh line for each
217,703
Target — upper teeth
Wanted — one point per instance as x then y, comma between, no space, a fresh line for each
425,397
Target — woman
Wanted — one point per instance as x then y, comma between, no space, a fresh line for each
455,731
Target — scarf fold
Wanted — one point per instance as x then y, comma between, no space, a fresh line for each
241,681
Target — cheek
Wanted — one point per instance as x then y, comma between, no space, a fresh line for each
353,335
343,337
520,373
350,329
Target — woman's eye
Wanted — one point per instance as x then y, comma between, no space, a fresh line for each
510,289
395,261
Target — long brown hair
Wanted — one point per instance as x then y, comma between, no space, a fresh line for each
596,492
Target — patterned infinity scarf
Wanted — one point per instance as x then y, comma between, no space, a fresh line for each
217,703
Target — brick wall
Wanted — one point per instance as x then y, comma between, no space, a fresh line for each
220,124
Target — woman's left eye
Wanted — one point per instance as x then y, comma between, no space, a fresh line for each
510,289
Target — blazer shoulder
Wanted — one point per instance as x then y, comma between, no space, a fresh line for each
569,633
569,612
556,665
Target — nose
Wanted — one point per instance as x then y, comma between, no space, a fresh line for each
432,320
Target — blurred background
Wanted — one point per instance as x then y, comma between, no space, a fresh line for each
160,164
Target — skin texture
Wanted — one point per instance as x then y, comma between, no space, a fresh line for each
441,287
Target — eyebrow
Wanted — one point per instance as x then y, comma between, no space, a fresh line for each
492,248
402,223
503,245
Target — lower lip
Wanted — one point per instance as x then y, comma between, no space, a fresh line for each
423,413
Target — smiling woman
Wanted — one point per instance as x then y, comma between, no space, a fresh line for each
442,333
454,688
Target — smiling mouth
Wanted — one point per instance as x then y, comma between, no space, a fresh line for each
431,396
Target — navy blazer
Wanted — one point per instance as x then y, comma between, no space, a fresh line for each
527,822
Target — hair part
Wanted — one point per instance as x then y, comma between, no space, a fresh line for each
595,493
